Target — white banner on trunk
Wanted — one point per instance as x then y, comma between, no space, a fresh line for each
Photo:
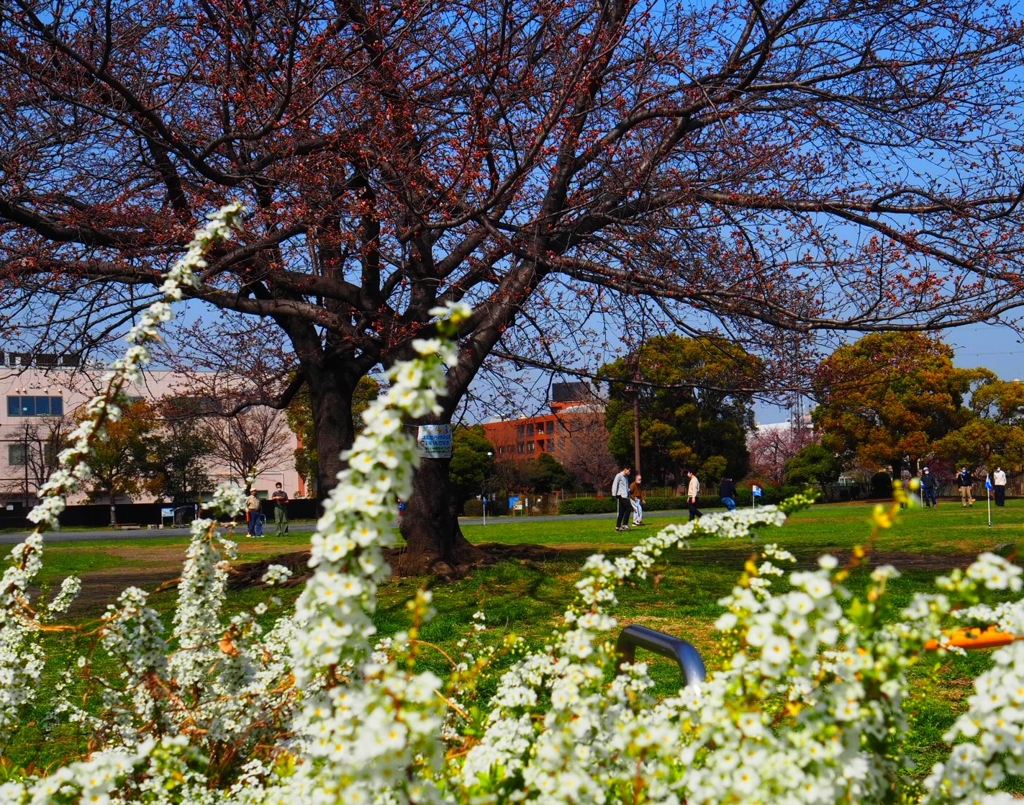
435,441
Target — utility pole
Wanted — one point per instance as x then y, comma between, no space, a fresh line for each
636,435
636,412
25,448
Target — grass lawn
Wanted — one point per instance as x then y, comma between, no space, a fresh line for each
526,596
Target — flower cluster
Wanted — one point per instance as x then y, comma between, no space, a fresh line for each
276,574
20,656
809,705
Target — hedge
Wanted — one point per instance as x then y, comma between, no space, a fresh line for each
607,505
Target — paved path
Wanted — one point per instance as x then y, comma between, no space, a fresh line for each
137,534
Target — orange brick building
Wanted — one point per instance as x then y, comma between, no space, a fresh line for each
573,429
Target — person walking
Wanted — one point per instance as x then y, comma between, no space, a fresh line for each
929,489
727,492
637,500
905,482
964,481
620,491
253,515
692,493
280,498
999,486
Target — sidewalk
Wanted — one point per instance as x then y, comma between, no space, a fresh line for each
51,537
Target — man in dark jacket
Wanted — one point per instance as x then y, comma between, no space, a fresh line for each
727,492
964,481
929,488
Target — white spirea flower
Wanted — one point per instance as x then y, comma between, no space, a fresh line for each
20,656
228,499
276,574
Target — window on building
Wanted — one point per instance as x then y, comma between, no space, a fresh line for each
551,427
529,429
540,446
23,405
17,455
530,447
520,447
520,431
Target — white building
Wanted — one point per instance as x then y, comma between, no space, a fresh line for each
41,393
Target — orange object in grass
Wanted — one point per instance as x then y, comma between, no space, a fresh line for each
976,638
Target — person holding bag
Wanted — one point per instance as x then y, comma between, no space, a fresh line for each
637,500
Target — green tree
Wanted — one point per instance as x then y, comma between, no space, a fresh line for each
180,450
695,406
813,465
546,474
178,462
890,395
994,436
472,462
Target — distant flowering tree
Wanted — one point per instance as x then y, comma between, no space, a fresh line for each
808,706
772,446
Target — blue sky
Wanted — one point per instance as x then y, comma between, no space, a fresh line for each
993,346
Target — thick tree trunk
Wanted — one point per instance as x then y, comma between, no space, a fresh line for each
330,395
430,525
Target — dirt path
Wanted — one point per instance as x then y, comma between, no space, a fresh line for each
158,568
150,568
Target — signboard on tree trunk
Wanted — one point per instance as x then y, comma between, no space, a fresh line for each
434,441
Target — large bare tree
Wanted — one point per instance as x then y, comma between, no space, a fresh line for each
754,166
249,441
32,449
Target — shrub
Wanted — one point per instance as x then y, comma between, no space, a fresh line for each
659,504
588,506
808,707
